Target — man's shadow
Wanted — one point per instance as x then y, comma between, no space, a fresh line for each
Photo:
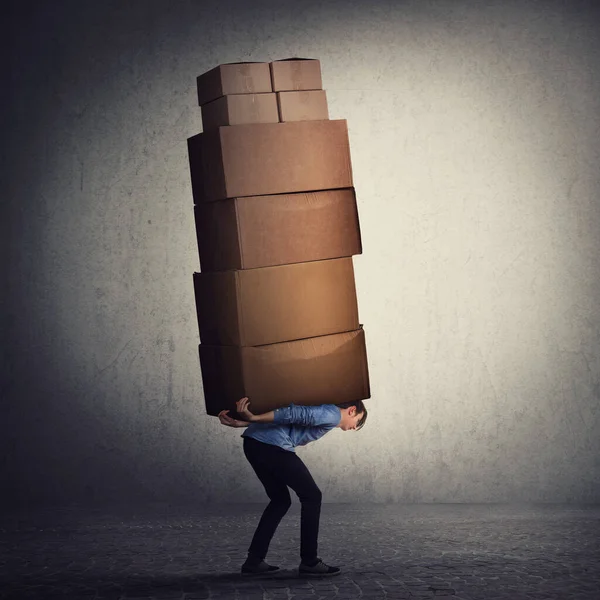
200,586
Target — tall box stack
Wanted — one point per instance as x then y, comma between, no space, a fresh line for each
277,226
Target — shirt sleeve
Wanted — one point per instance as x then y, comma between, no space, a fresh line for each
308,416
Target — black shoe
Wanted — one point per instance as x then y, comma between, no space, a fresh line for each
262,568
318,570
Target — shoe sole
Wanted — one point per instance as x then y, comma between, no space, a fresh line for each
259,573
309,574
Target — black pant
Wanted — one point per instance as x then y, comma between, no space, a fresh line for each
277,469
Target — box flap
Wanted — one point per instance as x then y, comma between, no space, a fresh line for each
293,58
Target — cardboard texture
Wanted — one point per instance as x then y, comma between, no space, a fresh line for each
270,158
293,74
233,78
321,370
302,106
263,231
240,109
276,304
277,225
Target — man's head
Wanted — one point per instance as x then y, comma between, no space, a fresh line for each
354,415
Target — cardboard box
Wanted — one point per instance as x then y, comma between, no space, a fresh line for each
323,370
240,109
276,304
234,78
310,105
296,74
269,158
264,231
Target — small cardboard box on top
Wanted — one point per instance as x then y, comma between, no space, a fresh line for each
264,231
269,158
328,369
240,109
291,74
309,105
233,78
268,305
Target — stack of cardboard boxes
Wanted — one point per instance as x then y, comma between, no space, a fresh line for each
277,226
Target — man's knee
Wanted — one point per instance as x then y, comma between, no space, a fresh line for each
279,496
313,496
281,504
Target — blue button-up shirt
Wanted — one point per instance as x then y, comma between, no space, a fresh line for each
296,425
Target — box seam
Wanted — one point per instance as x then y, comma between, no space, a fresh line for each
239,303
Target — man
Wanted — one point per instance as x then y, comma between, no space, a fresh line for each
269,446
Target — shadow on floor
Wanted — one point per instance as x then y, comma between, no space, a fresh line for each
202,585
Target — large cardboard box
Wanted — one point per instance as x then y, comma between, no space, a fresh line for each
240,109
310,105
276,304
269,158
264,231
323,370
233,78
296,74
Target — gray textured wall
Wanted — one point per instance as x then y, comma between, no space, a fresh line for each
475,138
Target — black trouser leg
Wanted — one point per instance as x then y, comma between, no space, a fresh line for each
277,470
261,459
310,513
271,517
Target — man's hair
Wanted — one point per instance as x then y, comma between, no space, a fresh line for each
360,409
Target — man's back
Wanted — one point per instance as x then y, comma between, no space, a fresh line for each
296,425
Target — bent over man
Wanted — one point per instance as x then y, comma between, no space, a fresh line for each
270,441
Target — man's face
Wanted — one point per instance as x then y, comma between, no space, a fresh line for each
350,419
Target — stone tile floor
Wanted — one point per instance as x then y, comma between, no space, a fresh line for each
386,551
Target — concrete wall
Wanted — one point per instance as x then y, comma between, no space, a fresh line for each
475,138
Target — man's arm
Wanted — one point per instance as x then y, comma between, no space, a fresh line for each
267,417
227,420
307,416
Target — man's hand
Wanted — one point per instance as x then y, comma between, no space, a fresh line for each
242,408
227,420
